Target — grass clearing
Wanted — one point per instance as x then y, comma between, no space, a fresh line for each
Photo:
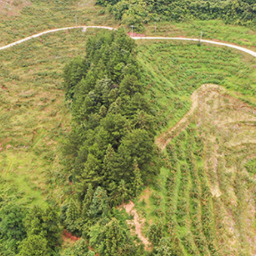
212,30
38,16
34,117
173,70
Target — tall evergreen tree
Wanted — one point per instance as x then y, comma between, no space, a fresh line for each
112,122
137,178
123,191
73,214
114,240
44,223
12,229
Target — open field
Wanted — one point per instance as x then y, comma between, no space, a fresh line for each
33,113
35,16
173,70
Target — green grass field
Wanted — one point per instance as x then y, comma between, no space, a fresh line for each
34,117
173,70
39,16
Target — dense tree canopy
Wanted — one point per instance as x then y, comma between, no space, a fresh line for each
139,12
112,122
28,231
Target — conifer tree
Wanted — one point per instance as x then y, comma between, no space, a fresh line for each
100,204
34,245
114,240
80,248
137,178
123,191
87,201
90,253
73,214
12,228
44,223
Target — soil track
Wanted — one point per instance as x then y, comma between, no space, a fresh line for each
163,140
252,53
137,222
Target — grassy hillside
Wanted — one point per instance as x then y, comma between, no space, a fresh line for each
33,114
22,20
173,70
206,192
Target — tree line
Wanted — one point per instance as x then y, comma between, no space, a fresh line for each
109,153
140,12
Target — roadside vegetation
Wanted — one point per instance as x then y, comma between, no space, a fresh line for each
174,70
140,12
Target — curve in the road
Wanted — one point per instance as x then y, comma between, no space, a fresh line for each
202,41
51,31
252,53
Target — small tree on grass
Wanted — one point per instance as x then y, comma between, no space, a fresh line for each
155,233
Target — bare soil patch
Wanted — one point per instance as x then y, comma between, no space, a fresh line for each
137,222
12,7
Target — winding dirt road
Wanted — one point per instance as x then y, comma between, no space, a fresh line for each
252,53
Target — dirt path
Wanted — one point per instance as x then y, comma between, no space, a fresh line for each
135,38
165,138
137,222
52,31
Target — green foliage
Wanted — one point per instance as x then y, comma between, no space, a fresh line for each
72,215
251,166
140,12
100,204
79,249
34,245
113,240
155,233
137,178
165,248
12,229
44,223
112,122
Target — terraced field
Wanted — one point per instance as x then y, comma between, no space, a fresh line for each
216,197
206,192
